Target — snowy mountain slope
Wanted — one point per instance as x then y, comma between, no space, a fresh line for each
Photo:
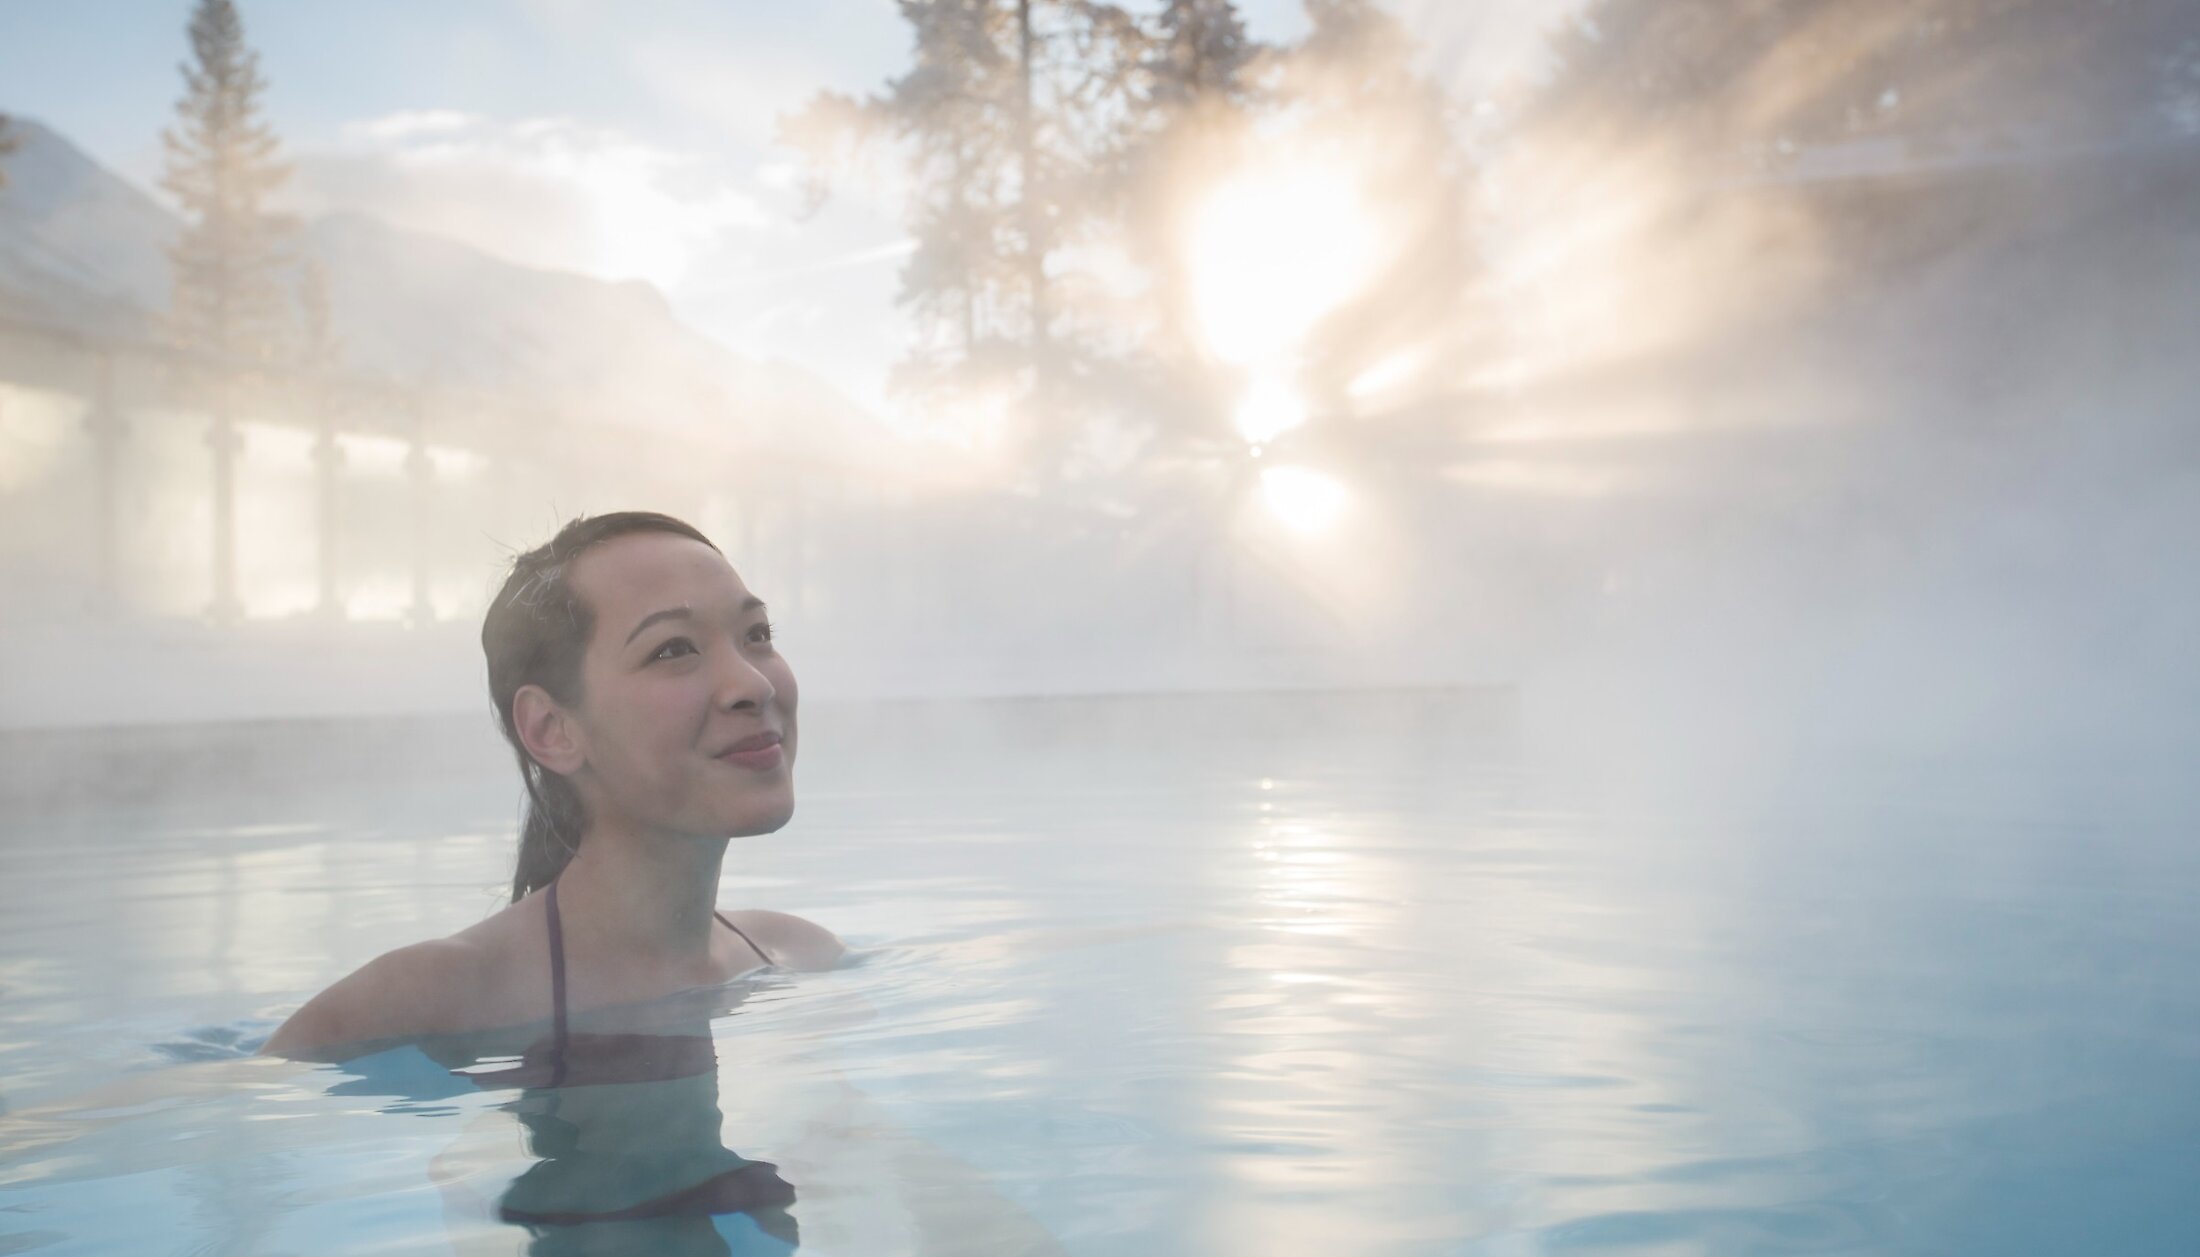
79,247
84,250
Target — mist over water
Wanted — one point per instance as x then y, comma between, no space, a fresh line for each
1882,445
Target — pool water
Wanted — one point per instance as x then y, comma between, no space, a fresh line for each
1318,974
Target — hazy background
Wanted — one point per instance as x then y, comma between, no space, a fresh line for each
1740,381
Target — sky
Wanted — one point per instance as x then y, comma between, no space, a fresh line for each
624,141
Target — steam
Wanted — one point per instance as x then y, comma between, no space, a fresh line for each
1734,430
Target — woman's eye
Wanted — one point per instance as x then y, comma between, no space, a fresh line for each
762,633
673,649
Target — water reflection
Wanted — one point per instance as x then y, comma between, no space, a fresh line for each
629,1154
636,1133
1163,984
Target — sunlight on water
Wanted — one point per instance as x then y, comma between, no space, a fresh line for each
1307,975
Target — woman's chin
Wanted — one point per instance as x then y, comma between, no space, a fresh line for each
761,820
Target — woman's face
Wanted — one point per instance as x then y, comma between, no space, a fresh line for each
680,674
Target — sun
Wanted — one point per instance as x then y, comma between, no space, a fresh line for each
1271,249
1302,499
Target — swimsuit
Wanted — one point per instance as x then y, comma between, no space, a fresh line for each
560,1041
745,1202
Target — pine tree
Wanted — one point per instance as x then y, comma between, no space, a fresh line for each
955,110
1201,53
1191,95
1041,135
994,116
1190,118
231,306
230,299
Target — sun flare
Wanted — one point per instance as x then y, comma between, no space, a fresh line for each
1302,499
1269,409
1270,251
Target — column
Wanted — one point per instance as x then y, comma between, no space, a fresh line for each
107,428
328,463
420,479
223,439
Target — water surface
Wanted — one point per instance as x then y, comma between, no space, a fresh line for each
1303,974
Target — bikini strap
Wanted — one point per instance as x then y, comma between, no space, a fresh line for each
557,974
744,938
557,981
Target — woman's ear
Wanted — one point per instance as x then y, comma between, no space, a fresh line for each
549,732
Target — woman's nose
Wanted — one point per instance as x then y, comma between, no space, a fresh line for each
742,683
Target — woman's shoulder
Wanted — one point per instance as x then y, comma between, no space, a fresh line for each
429,987
790,941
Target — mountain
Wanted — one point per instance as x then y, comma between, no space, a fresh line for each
80,248
85,251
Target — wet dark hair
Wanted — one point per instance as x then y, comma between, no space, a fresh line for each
535,633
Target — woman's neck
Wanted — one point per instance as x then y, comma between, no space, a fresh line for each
643,897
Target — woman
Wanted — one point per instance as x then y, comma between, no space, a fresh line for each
653,719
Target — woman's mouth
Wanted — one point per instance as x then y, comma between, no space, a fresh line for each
761,751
